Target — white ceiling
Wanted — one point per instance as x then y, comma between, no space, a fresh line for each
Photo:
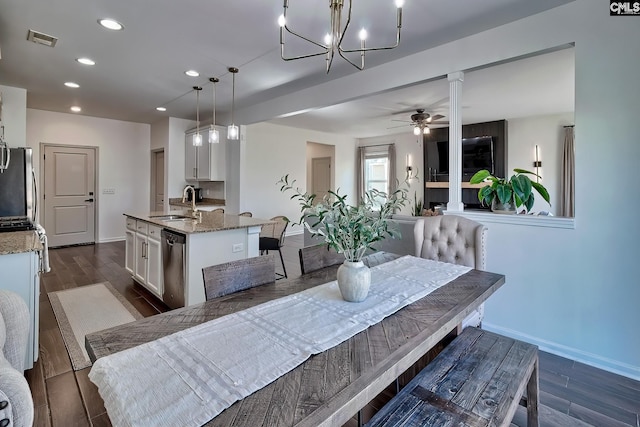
143,66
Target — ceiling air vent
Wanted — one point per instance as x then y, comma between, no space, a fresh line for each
41,38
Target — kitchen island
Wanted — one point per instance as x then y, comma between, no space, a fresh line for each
209,239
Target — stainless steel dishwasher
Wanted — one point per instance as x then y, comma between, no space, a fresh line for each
173,260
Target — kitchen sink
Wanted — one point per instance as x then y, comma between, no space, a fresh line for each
170,217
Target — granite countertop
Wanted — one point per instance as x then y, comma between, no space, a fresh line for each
210,222
205,202
15,242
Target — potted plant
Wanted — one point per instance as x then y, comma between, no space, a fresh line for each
508,196
350,229
416,209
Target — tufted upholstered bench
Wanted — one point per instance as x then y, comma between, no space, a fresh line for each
456,240
16,402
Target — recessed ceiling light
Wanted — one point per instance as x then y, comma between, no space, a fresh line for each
161,109
111,24
76,109
72,84
192,73
86,61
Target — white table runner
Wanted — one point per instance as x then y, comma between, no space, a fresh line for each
189,377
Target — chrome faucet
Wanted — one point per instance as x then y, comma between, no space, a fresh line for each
194,209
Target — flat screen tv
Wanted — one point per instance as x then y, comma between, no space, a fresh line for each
477,154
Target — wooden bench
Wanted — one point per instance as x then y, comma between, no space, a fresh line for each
477,380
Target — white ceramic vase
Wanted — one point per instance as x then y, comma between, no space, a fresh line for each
354,279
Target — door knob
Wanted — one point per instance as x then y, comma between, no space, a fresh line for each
89,200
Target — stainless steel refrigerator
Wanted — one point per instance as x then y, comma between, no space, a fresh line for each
18,196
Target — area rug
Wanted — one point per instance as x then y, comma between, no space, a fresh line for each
87,309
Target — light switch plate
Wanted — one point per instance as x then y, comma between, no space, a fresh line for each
108,191
237,247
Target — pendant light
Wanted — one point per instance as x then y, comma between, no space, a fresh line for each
214,135
232,130
197,138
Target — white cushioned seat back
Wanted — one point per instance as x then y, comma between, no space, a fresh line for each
452,239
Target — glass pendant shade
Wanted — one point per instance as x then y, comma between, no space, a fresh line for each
426,130
232,132
214,135
416,131
197,138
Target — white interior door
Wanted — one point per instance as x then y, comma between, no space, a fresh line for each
69,195
158,180
320,176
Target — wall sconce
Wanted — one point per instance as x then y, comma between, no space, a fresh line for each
537,163
408,162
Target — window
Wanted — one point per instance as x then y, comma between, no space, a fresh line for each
377,169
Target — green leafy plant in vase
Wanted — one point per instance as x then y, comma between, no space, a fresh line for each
509,195
350,229
416,208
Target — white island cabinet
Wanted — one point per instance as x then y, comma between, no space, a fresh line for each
20,266
143,257
214,239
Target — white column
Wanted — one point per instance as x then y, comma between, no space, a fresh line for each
455,142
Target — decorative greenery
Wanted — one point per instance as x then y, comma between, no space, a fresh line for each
519,188
417,205
350,230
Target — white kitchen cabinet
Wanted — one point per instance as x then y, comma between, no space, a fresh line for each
208,161
146,254
20,274
154,261
130,241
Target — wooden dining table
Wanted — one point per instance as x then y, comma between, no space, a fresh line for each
331,387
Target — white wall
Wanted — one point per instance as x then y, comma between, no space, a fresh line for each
14,116
123,161
273,151
573,292
174,156
406,144
548,133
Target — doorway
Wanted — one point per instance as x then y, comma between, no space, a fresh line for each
321,177
69,195
157,180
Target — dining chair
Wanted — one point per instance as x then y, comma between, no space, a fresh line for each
235,276
247,214
315,257
453,239
272,239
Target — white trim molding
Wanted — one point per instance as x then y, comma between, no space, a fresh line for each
587,358
524,220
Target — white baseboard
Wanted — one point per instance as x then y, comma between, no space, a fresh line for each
111,239
590,359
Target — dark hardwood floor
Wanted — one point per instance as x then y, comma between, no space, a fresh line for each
572,394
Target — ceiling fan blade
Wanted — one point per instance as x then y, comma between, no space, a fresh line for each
394,127
404,121
436,117
439,123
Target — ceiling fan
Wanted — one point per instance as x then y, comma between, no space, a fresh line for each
420,121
